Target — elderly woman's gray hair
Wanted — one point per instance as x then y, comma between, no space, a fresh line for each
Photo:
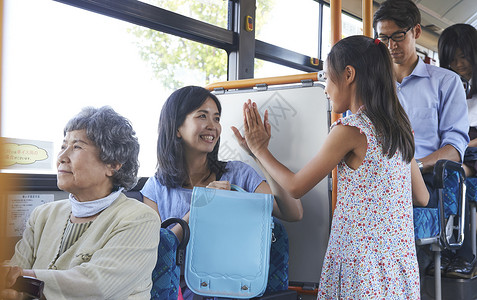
115,139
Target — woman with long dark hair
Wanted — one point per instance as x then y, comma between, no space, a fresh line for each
187,156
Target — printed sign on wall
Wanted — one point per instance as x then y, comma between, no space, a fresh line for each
20,206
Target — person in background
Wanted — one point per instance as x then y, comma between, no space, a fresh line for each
371,252
433,99
458,52
187,156
98,244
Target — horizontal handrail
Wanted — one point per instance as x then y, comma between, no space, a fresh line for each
249,83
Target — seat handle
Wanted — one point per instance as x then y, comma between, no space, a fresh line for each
180,252
439,177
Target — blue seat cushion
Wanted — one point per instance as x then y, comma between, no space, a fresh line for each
471,192
450,193
426,222
278,269
166,274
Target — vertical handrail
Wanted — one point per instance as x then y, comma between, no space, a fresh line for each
367,6
3,180
335,7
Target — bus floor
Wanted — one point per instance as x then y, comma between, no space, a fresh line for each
451,289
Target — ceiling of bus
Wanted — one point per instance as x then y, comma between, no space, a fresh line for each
439,14
436,16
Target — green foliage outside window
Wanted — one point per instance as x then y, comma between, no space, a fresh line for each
170,56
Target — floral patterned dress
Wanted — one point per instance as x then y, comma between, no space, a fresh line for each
371,252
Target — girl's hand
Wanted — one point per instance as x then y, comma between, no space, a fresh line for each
257,134
220,185
242,140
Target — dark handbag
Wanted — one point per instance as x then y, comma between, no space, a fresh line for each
31,287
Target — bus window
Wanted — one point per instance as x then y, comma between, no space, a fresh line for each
268,69
289,24
349,26
58,59
210,11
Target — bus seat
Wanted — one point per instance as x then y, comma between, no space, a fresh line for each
443,227
170,257
134,194
426,220
471,196
278,269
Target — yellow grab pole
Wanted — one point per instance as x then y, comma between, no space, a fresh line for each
252,82
367,6
335,7
3,177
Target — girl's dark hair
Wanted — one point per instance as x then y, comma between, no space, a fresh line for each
376,87
171,168
463,37
115,138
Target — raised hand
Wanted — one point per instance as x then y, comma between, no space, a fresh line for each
242,139
257,133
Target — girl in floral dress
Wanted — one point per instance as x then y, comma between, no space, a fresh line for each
371,251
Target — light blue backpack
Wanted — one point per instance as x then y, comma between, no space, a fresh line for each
228,254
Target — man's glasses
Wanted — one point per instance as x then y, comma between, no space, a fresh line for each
397,36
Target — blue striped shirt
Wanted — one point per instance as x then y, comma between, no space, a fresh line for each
435,103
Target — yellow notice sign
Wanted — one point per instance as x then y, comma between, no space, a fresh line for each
27,154
24,154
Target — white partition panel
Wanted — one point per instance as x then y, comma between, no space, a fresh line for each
299,116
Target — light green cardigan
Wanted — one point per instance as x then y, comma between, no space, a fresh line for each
113,259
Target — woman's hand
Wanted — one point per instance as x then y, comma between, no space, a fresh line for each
220,185
257,133
8,277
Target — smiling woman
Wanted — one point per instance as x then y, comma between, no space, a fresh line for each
187,154
201,128
71,243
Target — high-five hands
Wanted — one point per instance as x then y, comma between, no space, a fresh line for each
256,133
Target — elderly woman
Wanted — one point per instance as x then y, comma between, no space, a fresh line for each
98,244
